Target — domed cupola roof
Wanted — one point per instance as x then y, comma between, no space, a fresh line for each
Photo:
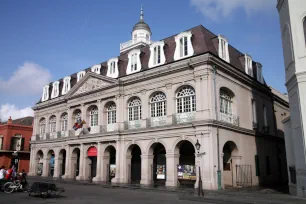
141,25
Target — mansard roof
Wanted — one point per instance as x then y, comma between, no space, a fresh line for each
203,41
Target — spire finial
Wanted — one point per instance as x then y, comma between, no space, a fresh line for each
141,13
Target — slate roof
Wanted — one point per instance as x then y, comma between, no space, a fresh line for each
27,121
203,41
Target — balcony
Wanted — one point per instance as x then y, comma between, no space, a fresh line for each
12,148
64,133
132,125
52,135
94,129
229,118
180,118
130,43
157,121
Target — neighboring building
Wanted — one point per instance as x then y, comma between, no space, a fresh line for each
15,138
148,107
292,15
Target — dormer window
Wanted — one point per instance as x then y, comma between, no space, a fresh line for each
55,89
66,86
96,68
223,48
112,70
157,56
134,64
183,46
248,65
80,75
259,72
45,95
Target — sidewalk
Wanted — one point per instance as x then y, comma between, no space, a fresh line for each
235,196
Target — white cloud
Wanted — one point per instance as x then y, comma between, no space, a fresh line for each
216,9
8,110
27,79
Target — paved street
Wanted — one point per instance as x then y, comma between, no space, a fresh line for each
91,194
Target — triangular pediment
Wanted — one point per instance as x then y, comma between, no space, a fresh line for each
89,83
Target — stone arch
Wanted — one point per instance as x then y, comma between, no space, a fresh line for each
181,85
109,163
74,162
39,160
149,146
133,162
62,157
230,155
128,146
175,145
304,28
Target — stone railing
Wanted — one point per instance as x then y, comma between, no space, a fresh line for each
132,42
52,135
132,125
94,129
229,118
156,121
179,118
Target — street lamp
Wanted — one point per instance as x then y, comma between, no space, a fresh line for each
200,191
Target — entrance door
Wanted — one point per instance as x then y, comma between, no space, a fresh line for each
93,167
136,165
159,165
15,162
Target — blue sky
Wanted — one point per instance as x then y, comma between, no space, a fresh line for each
42,41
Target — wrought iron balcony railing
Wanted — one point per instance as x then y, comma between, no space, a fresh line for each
132,125
21,148
157,121
187,117
229,118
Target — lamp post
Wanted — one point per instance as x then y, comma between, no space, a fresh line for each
200,191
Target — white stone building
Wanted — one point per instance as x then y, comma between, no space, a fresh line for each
292,15
148,107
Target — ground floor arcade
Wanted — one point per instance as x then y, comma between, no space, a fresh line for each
163,159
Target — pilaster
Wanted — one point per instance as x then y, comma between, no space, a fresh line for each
172,160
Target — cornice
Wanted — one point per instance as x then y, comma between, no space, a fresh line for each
279,5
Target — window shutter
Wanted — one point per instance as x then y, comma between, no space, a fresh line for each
12,144
257,165
22,144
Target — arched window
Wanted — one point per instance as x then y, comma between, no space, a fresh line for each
185,100
42,126
158,105
77,115
94,117
134,109
52,123
64,122
225,102
111,113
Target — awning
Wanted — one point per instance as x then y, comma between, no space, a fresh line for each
92,152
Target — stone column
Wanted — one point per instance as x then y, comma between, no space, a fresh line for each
100,112
70,120
56,166
120,112
67,164
146,169
99,170
82,163
170,106
58,122
45,167
105,165
171,168
199,98
32,163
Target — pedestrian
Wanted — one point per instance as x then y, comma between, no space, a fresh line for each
2,172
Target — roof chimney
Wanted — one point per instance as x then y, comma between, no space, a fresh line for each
10,121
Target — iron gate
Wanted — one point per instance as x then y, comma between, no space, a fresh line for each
244,175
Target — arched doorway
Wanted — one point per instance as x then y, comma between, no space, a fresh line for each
186,169
109,164
134,164
62,162
229,150
159,164
39,163
75,163
92,156
50,163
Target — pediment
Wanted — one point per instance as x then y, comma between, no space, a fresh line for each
89,83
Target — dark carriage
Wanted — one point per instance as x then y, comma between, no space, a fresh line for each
45,189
